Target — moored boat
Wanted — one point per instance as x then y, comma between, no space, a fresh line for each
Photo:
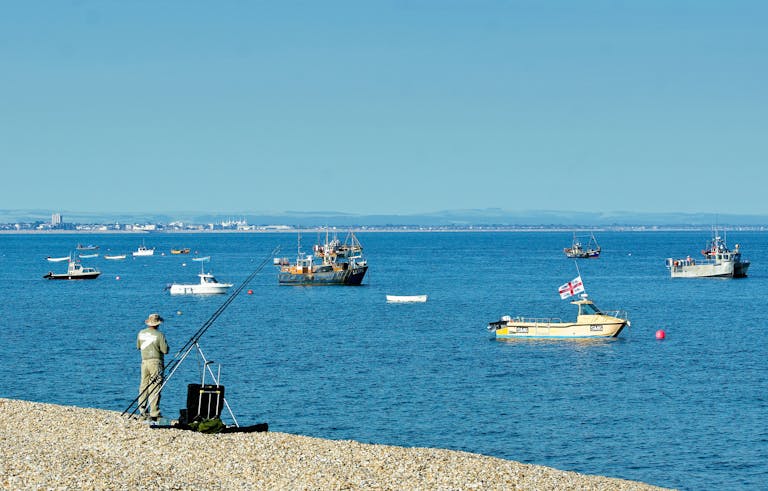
58,259
75,271
332,263
183,250
580,251
590,321
719,262
208,285
114,257
144,251
406,298
87,256
88,247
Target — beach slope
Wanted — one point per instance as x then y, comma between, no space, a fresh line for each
62,447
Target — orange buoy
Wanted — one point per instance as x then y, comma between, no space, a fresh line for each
250,292
660,334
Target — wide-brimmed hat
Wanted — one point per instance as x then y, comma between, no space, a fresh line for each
153,320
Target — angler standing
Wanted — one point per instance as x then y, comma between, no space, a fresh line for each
153,348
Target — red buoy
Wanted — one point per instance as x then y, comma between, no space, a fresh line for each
250,292
660,334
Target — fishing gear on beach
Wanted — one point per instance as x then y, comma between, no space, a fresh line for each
192,342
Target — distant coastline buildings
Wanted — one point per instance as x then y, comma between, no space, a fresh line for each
493,220
57,223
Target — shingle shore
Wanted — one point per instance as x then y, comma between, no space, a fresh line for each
47,446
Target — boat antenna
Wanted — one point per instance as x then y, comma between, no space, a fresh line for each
182,354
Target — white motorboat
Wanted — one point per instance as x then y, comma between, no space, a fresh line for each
406,298
208,285
115,257
144,251
75,271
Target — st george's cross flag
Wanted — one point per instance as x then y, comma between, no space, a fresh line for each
572,288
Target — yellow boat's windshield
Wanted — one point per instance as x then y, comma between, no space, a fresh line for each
589,309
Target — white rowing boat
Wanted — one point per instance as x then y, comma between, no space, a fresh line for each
406,298
58,259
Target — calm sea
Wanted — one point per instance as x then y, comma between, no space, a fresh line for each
340,363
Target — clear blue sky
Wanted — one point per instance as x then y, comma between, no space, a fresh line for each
384,106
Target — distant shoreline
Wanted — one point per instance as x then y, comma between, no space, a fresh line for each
638,229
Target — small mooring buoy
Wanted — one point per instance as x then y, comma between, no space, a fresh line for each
250,292
178,312
117,277
660,334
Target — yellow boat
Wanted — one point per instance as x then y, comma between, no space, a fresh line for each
180,251
591,322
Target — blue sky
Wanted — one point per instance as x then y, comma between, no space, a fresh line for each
384,106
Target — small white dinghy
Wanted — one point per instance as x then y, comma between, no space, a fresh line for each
58,259
406,298
114,257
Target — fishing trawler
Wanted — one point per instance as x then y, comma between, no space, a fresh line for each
719,262
75,271
331,263
580,251
590,322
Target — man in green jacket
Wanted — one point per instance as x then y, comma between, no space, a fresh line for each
153,348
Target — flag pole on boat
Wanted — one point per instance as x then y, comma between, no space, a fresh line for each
578,275
191,343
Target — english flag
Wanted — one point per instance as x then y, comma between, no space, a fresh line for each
572,288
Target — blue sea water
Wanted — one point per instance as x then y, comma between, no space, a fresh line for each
340,363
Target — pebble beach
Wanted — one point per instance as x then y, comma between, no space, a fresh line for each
47,446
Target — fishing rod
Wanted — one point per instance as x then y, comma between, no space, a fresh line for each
182,354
